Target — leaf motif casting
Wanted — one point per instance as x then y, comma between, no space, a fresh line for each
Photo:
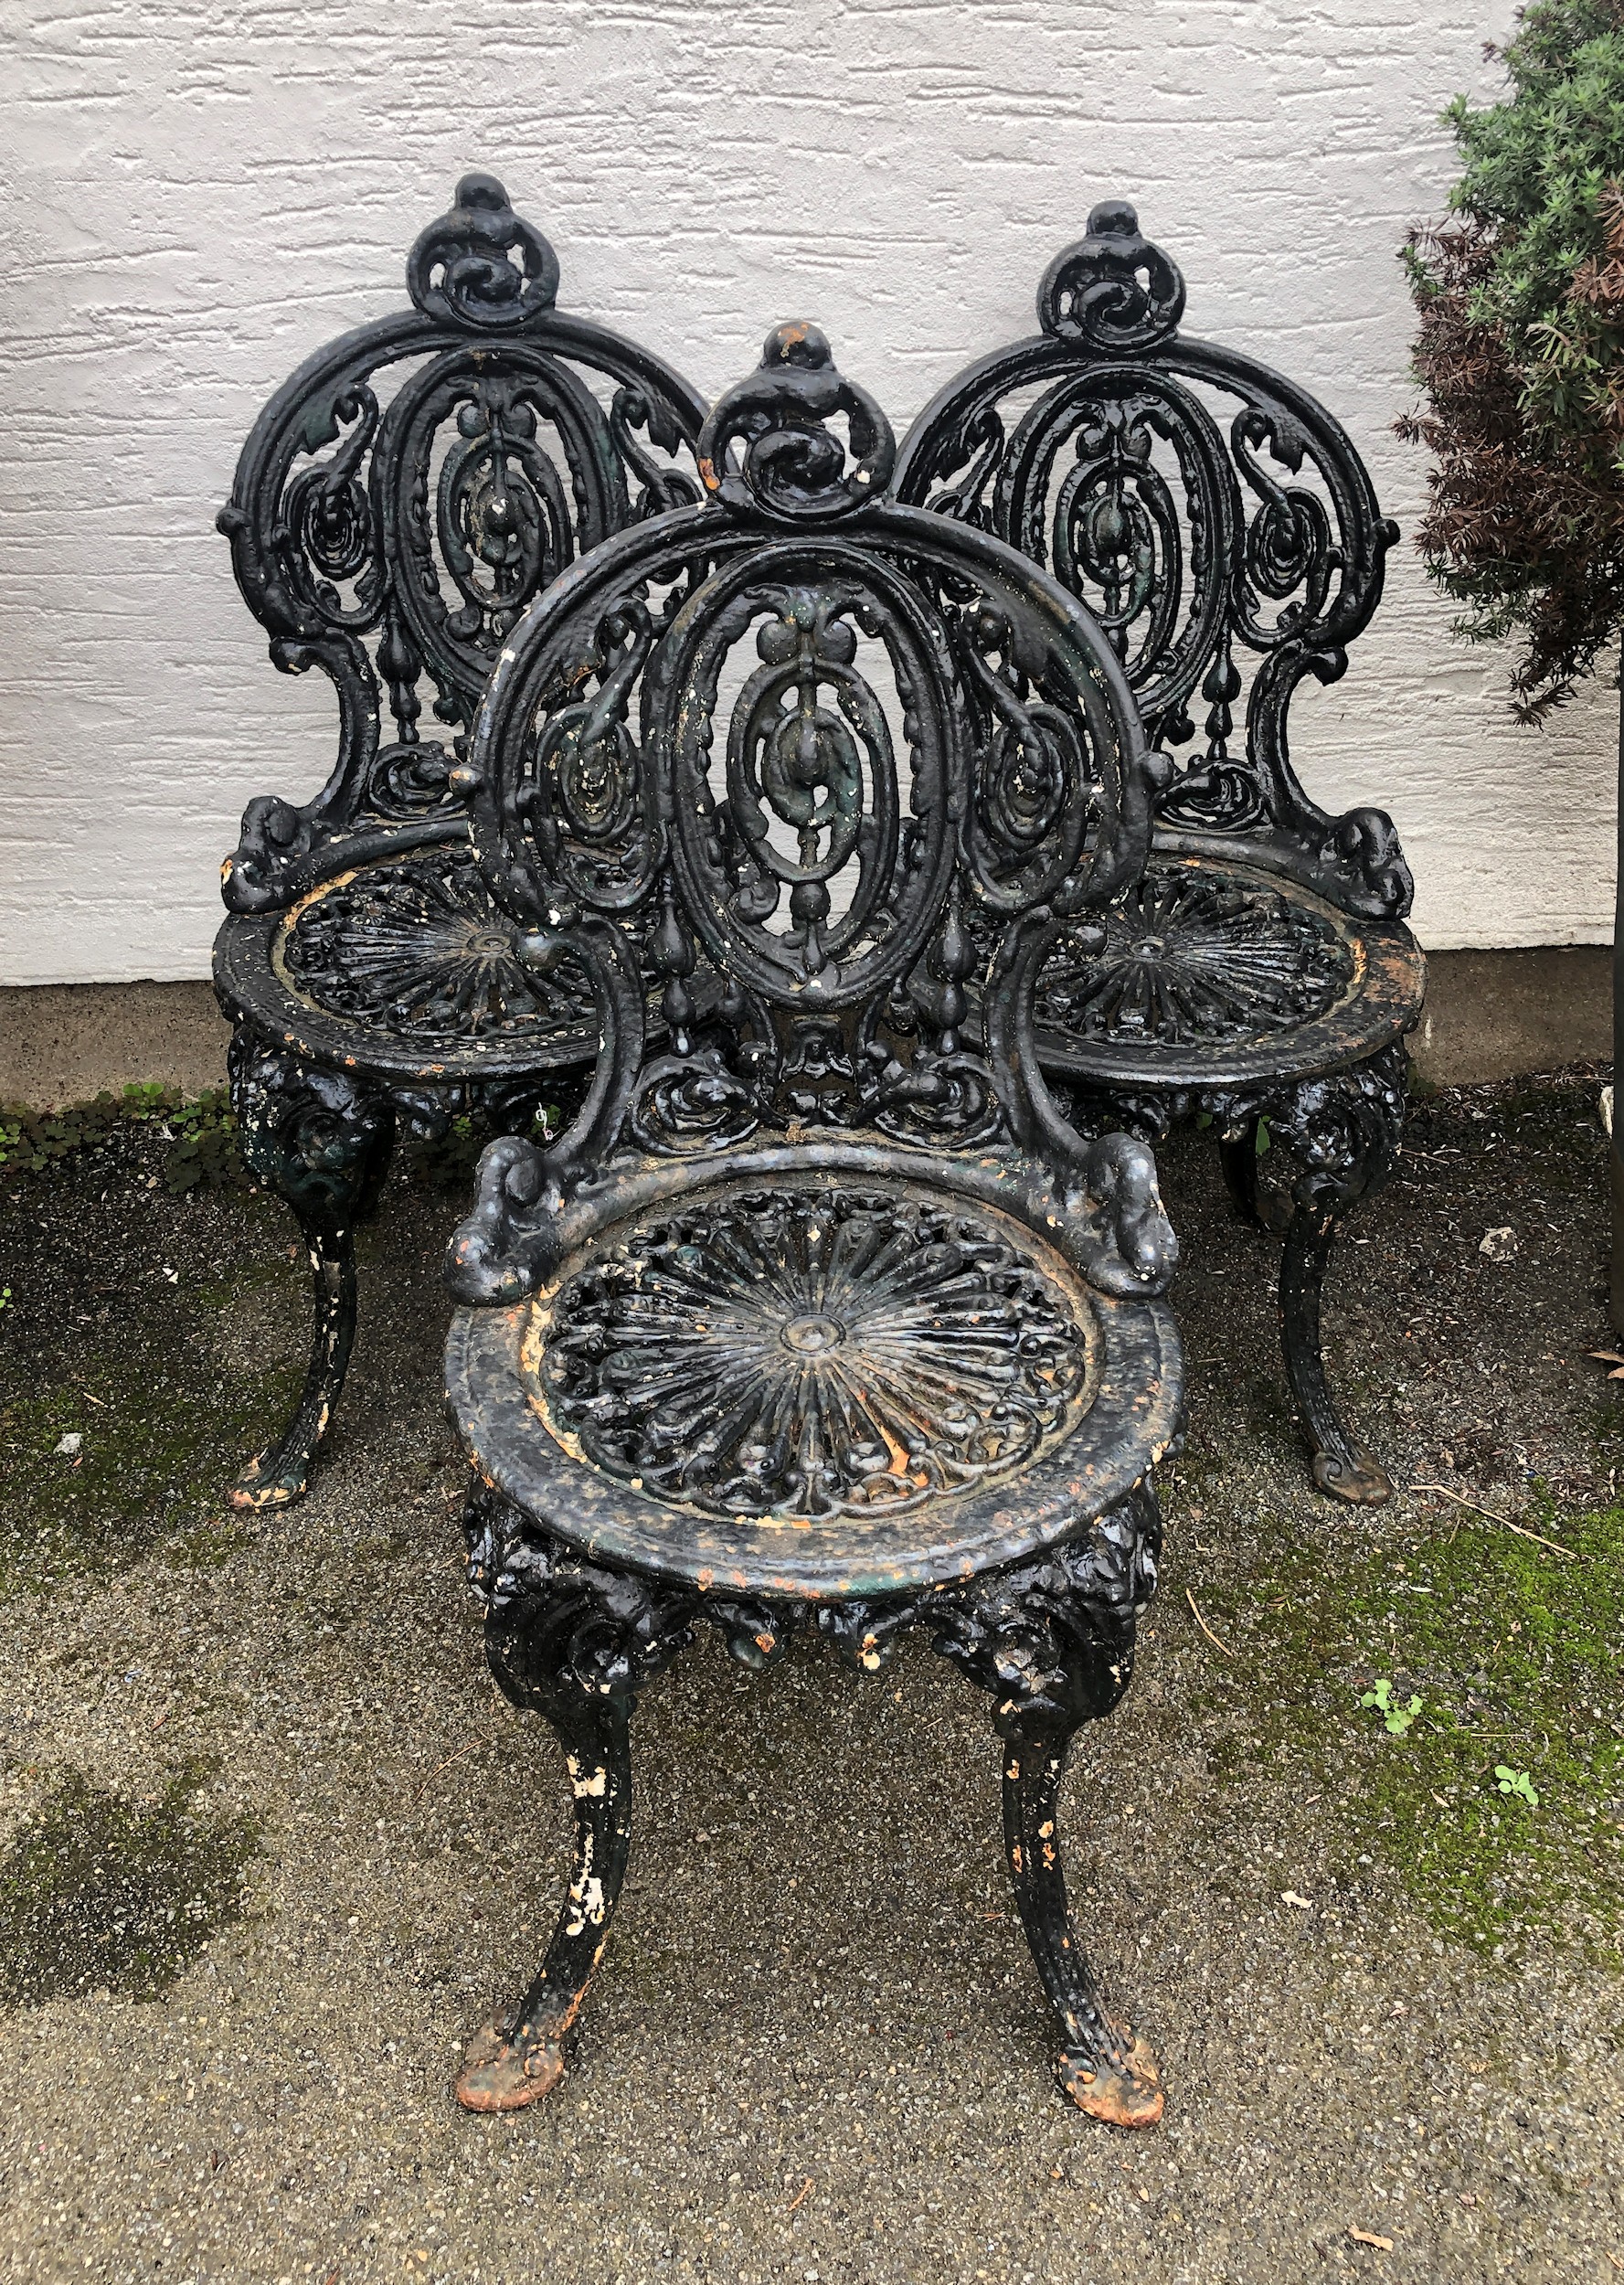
1113,290
461,269
1216,518
793,463
420,949
813,1352
401,502
1195,957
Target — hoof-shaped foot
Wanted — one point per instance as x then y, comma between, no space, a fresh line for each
502,2073
1125,2093
268,1483
1352,1476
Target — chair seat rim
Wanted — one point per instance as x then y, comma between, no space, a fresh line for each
1384,1004
248,984
1134,1416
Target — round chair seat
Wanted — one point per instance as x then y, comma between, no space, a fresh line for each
407,966
819,1384
1214,974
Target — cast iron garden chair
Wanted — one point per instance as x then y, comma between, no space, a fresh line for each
399,502
1220,524
820,1314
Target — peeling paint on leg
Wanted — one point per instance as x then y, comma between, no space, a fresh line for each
590,1910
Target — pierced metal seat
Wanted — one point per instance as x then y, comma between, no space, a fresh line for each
1212,972
1221,525
792,1362
398,506
820,1315
407,962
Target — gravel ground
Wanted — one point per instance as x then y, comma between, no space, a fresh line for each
817,2050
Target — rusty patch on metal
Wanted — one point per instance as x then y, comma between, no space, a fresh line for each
1126,2093
501,2072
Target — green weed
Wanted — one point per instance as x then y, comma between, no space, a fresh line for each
1484,1641
199,1133
1398,1719
1517,1782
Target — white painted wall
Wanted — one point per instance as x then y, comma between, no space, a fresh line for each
198,192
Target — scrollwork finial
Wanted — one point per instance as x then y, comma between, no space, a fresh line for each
462,271
1112,291
793,466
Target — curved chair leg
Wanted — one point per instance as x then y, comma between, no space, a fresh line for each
279,1474
1105,2070
513,2062
1343,1132
322,1141
1341,1465
574,1642
1054,1645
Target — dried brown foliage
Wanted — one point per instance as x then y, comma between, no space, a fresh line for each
1528,519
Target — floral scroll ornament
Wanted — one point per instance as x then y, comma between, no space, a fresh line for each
1112,291
805,1352
461,270
422,947
1196,957
793,466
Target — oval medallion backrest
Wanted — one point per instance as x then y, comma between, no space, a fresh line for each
409,492
822,760
1218,520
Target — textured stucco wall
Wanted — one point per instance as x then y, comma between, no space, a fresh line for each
197,192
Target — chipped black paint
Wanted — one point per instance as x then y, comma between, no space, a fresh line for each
1050,1640
373,982
822,1313
1161,479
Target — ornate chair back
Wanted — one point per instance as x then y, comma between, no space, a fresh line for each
1217,519
407,493
835,771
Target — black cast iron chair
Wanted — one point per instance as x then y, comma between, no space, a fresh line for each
821,1313
1220,524
399,502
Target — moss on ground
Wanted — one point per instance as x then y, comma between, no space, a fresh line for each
163,1432
98,1894
1516,1653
